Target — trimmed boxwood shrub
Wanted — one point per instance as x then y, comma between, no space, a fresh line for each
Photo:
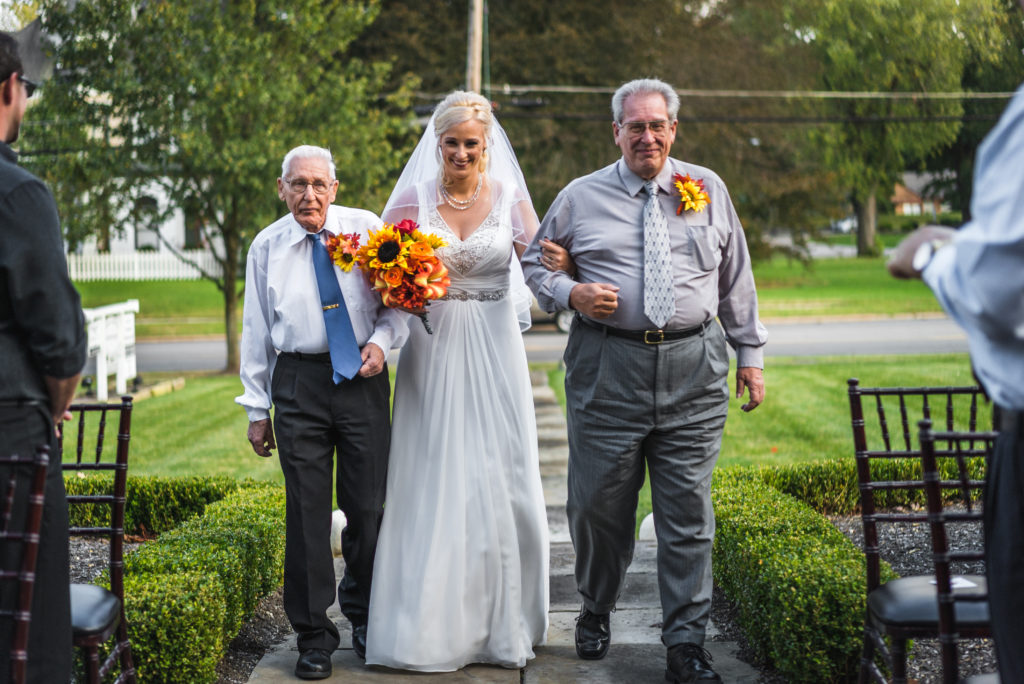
154,504
188,593
797,582
174,623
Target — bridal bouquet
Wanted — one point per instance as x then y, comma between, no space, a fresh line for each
400,263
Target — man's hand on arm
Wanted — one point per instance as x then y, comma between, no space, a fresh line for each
596,300
62,392
261,436
753,379
901,264
373,360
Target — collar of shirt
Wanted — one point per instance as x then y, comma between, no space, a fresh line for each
634,184
296,233
7,153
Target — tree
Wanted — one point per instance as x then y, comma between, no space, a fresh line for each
995,63
202,100
891,46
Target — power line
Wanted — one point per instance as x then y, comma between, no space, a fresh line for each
509,114
508,89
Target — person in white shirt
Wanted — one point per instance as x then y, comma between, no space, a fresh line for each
286,361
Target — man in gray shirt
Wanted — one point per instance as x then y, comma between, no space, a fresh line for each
647,364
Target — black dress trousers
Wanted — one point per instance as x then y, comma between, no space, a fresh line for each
314,422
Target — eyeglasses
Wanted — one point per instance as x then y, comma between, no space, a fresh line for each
30,86
638,127
299,185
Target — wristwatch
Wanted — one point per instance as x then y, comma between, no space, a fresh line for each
926,252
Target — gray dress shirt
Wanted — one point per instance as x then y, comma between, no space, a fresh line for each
599,219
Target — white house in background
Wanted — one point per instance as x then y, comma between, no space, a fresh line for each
143,248
139,230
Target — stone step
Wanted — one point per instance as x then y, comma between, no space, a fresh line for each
552,437
544,396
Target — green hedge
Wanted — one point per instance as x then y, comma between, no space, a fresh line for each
154,504
174,623
799,584
188,593
830,487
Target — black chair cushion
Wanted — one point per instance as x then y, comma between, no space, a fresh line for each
94,610
913,602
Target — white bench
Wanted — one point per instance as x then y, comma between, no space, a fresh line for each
111,333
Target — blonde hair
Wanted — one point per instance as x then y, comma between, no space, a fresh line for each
458,107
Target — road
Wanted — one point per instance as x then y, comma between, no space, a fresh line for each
886,336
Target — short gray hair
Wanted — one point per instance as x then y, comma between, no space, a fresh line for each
645,86
308,152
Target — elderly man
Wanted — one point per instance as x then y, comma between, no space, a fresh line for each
646,364
43,347
313,344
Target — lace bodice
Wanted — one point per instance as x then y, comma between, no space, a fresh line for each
481,260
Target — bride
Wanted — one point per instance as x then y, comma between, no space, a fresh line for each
461,571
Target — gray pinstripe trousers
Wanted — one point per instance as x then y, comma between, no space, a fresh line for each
664,406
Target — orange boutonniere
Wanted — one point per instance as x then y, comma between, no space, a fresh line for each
343,249
692,196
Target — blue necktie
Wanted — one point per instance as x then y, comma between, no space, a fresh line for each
345,357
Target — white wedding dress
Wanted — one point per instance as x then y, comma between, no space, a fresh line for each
461,571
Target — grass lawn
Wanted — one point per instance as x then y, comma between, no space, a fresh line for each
199,430
837,287
786,289
167,308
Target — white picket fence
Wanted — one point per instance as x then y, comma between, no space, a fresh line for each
141,266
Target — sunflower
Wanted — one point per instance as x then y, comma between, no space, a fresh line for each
692,196
384,250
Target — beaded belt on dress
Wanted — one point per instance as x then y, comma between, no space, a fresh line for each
482,296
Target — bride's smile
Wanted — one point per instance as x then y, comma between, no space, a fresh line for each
462,146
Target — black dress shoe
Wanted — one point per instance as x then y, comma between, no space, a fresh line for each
313,663
359,640
689,663
593,635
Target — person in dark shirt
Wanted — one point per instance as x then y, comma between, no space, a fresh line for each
43,350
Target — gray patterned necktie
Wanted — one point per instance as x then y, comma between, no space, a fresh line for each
659,299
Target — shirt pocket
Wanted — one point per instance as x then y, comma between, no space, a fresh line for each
358,296
702,241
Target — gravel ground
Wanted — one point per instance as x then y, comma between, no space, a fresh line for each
907,551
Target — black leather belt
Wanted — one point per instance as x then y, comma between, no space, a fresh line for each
322,357
646,336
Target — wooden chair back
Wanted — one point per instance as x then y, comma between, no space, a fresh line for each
952,519
23,487
96,613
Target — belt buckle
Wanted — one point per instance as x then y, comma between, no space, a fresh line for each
654,336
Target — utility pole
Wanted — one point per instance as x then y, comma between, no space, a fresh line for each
474,51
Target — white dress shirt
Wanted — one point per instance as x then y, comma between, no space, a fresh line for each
282,303
979,277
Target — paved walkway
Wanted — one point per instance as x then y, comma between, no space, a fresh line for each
636,653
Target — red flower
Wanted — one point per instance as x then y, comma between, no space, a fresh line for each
406,226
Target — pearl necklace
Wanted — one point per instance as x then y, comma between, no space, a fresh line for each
462,205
